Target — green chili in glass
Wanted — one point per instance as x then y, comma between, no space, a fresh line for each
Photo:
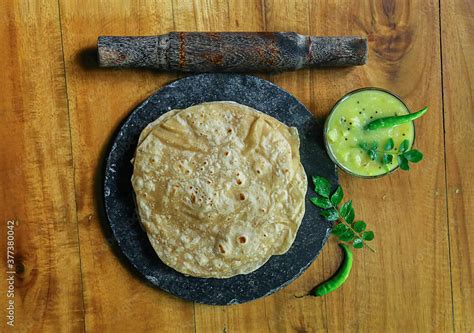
394,121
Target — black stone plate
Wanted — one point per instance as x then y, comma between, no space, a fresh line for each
279,271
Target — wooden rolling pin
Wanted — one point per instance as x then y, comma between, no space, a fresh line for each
231,51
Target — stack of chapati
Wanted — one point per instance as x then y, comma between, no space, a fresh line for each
219,188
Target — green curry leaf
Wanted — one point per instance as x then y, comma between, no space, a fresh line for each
322,186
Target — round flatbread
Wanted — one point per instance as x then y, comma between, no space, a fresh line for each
219,188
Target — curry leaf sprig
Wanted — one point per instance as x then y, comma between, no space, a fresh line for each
345,228
386,155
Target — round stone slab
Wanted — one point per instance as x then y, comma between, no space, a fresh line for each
132,240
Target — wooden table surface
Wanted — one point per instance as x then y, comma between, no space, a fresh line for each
59,111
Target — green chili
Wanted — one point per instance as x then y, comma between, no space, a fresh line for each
394,121
340,277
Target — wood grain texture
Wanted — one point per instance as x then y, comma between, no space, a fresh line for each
421,277
36,178
405,286
114,298
457,26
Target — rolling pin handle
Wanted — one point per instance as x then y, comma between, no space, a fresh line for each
118,51
337,51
